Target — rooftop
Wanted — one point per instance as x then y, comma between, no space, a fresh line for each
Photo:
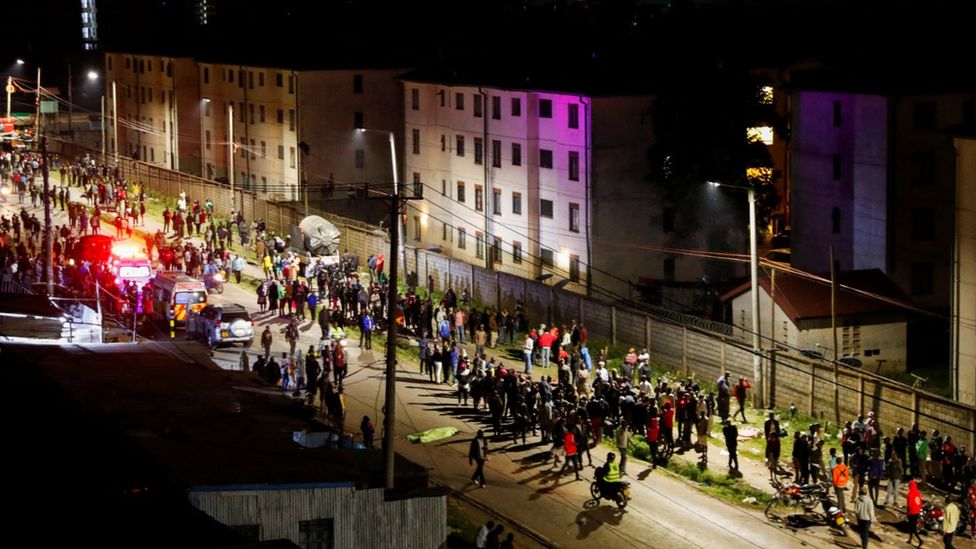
801,298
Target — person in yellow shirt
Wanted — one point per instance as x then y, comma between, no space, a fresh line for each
266,263
841,475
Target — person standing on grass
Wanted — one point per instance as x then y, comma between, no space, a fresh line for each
478,454
741,391
864,509
622,437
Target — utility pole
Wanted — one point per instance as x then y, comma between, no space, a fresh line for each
37,107
397,201
230,151
48,240
71,107
115,124
833,330
103,127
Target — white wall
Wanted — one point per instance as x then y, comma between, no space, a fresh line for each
964,273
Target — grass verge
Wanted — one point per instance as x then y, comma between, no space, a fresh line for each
724,487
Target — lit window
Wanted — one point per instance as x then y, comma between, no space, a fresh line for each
766,95
760,175
762,134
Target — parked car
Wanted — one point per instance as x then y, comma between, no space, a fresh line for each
219,324
779,257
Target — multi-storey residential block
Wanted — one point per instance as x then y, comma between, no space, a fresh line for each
283,127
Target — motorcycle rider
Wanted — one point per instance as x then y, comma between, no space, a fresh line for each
610,481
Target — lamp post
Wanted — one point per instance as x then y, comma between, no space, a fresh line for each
754,276
396,191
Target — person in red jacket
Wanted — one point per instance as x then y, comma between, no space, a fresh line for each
914,506
653,433
545,346
667,425
572,453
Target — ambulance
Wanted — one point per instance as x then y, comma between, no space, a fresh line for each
175,294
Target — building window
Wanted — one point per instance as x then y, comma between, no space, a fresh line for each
574,268
766,95
516,252
517,203
546,257
360,158
516,106
415,134
574,218
462,238
442,94
443,231
261,79
206,74
443,142
496,201
479,151
460,191
443,187
924,116
836,167
923,169
667,220
281,116
152,154
316,534
923,224
357,83
479,247
459,148
416,228
496,249
545,208
545,108
837,118
479,197
760,134
496,153
279,79
206,108
545,158
923,277
264,149
415,99
250,79
281,152
357,120
291,83
208,139
291,157
418,185
478,106
459,101
516,154
264,184
835,220
573,166
496,107
254,153
291,119
573,115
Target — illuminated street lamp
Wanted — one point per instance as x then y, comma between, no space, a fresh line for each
754,275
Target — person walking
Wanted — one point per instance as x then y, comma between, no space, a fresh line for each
740,391
864,509
841,474
950,521
478,454
913,510
572,453
266,340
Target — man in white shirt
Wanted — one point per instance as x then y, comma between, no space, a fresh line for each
481,541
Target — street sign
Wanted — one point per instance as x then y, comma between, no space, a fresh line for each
49,107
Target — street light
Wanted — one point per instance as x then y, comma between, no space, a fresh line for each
754,275
92,75
393,162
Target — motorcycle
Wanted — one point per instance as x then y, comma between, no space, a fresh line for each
620,493
931,517
804,496
214,282
834,516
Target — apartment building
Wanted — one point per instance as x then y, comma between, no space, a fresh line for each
281,126
963,288
155,98
504,174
